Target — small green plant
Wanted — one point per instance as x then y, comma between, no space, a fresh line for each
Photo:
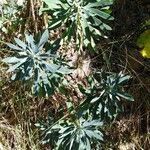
84,19
105,94
72,133
31,62
9,16
81,128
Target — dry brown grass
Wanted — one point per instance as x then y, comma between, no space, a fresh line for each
14,138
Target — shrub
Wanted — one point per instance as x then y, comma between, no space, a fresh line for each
84,20
31,62
82,126
103,97
71,133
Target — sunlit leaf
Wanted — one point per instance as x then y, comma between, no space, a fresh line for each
144,43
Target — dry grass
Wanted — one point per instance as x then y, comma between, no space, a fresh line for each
125,134
14,138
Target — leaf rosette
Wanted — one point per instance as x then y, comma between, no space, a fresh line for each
31,62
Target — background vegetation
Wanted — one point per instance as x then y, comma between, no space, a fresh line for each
74,74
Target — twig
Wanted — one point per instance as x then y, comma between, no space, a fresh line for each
33,15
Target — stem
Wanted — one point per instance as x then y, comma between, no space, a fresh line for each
33,15
79,33
106,59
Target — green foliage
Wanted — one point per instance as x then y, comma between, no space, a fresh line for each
105,94
9,17
143,42
72,133
84,19
31,62
81,128
36,61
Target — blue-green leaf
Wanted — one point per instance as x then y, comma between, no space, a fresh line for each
20,43
14,47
